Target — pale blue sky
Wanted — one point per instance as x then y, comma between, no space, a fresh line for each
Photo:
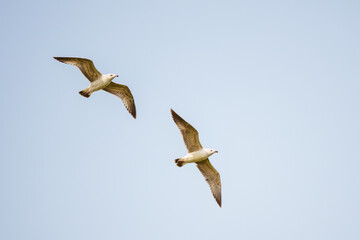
273,85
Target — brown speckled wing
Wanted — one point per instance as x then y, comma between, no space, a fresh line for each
123,92
86,66
188,132
212,177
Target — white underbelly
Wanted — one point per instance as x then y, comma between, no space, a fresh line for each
99,84
196,156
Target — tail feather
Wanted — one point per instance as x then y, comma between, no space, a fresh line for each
85,93
179,162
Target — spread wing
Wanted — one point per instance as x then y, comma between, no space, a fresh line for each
86,66
188,132
212,177
123,92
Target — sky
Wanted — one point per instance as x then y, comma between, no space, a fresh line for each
272,85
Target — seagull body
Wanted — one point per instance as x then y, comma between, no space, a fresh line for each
100,81
199,155
196,156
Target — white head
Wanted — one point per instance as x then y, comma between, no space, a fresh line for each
210,151
111,76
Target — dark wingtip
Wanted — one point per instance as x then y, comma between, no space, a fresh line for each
134,113
173,113
58,59
219,201
176,117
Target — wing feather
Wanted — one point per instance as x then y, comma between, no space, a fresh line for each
188,132
212,177
86,66
124,93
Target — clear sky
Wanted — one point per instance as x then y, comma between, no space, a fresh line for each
272,85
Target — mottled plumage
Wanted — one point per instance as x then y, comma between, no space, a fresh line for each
99,81
86,66
123,92
199,155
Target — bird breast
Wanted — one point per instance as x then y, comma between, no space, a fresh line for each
197,156
100,84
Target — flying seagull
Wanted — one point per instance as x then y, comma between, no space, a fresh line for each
100,81
199,155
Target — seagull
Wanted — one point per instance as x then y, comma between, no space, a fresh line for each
100,81
199,155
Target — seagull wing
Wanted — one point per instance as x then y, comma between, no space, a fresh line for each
188,132
86,66
212,177
123,92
